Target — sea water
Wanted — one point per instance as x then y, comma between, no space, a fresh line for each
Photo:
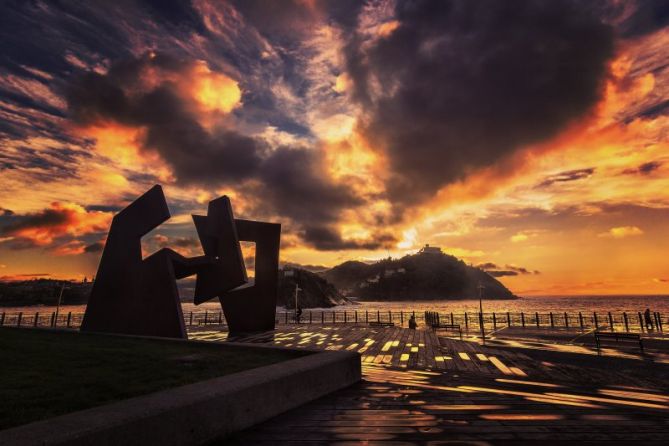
541,304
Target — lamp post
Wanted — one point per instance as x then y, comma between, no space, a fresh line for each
481,288
60,297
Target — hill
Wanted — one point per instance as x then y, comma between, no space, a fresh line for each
316,292
43,292
415,277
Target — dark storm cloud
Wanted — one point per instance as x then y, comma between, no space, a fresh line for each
283,19
569,175
643,169
462,84
656,110
195,154
294,184
94,247
46,164
288,181
10,224
648,16
326,238
179,13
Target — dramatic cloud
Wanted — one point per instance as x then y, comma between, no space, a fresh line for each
154,94
515,132
458,85
61,219
327,239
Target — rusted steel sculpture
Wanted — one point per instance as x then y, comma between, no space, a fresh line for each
139,296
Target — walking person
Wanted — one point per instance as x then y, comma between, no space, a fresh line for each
412,322
648,319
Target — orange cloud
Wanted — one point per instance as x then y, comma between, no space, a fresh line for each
61,219
215,92
622,232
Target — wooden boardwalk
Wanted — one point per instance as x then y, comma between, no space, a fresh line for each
419,389
412,407
397,347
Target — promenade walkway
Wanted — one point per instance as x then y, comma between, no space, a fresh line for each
421,389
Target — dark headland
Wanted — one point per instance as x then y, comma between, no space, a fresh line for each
421,276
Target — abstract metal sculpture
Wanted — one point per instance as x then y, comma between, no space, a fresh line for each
253,308
139,296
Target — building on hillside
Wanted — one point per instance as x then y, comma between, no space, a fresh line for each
427,249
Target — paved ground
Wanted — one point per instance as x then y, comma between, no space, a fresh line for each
422,389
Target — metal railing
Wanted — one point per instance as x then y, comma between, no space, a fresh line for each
612,321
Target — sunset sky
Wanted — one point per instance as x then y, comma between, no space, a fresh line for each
528,137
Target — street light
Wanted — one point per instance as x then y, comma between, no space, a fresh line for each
60,297
481,288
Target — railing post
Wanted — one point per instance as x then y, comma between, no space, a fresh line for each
566,320
378,316
18,320
551,316
36,319
53,319
466,321
322,317
206,314
345,312
220,317
536,315
494,321
451,318
611,321
310,320
2,319
401,317
366,317
390,316
641,326
356,316
69,319
595,320
508,319
190,320
580,320
627,327
522,318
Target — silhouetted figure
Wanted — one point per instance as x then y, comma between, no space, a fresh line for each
298,314
412,322
648,319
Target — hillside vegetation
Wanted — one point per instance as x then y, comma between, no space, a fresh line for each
415,277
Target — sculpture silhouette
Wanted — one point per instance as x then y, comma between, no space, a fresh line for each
218,237
253,308
135,296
